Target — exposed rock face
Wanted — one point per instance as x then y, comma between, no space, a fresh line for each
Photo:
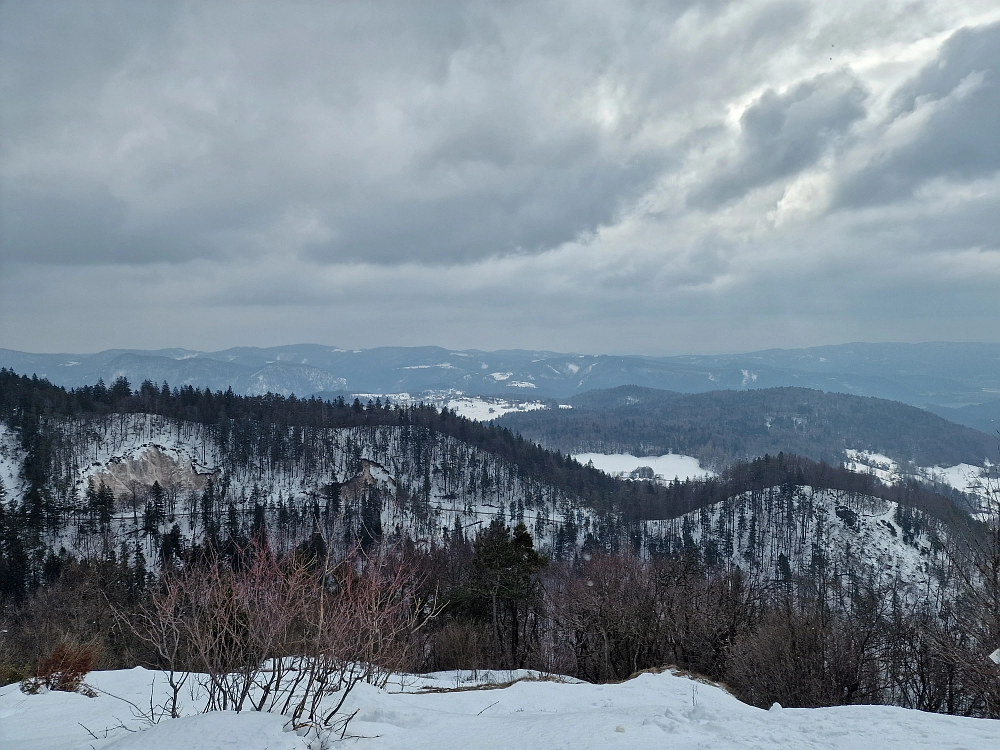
173,470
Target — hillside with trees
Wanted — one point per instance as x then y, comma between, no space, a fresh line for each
721,427
138,523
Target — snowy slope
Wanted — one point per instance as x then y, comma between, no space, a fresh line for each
808,527
464,486
649,711
975,481
454,485
11,459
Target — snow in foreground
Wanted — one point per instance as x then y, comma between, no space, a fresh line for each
650,711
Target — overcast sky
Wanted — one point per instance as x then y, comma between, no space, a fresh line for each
662,177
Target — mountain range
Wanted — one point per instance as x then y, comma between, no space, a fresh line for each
960,381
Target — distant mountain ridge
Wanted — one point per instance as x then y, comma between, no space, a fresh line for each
961,380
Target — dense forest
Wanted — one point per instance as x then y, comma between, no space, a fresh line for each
720,427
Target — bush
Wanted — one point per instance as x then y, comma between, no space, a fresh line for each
63,670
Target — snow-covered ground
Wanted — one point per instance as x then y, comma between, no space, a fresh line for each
666,468
967,478
11,459
867,462
484,409
649,711
479,408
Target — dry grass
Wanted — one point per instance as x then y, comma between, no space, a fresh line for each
63,669
494,685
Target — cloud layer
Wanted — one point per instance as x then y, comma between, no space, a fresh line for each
691,176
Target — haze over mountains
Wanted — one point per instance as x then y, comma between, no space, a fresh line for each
960,381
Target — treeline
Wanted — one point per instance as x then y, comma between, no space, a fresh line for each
721,427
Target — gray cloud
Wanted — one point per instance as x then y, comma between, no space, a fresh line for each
783,133
343,131
600,177
958,137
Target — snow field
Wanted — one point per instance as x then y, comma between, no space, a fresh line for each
649,711
479,408
866,462
665,467
487,409
967,478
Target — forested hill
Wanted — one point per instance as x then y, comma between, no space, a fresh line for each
720,427
277,430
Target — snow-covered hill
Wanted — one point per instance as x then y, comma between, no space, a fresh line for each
397,480
400,481
787,532
440,712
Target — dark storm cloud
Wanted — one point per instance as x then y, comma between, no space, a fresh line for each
960,137
342,131
783,133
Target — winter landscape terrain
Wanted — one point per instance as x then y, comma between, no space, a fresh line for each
785,591
656,401
445,711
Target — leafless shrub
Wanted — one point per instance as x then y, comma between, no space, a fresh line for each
622,614
63,670
358,628
282,634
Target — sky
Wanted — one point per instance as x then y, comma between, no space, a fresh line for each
648,177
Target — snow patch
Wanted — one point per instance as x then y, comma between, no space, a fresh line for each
665,468
485,409
867,462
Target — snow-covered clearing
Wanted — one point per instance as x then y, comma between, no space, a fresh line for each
479,408
649,711
485,409
967,478
867,462
665,468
